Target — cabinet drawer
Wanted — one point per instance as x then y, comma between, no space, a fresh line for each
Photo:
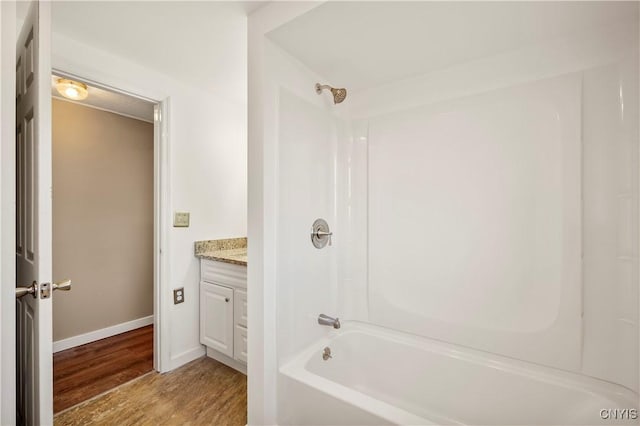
240,307
223,273
240,344
216,317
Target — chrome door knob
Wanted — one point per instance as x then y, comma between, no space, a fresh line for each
32,290
46,288
62,285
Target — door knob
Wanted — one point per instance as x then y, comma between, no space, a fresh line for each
32,290
46,288
62,285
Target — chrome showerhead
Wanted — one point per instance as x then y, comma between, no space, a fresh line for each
338,94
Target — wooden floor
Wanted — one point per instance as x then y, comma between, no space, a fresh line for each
203,392
85,371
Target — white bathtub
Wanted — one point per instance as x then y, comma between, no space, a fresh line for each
378,376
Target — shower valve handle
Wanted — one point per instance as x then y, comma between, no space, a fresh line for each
320,234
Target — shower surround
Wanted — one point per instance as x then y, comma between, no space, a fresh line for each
481,183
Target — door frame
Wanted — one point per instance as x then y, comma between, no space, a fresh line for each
161,214
8,39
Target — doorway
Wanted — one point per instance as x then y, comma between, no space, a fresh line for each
104,200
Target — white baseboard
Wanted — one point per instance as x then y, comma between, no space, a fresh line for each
92,336
226,360
186,356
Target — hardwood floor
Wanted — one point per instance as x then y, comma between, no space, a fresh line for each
85,371
203,392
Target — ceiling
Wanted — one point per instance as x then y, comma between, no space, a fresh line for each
198,43
365,44
113,102
248,7
245,7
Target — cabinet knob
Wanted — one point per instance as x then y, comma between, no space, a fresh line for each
226,299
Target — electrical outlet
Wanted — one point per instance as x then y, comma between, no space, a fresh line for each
178,295
181,219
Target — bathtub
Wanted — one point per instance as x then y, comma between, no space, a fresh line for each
379,376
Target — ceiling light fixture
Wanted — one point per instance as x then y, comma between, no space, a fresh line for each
72,89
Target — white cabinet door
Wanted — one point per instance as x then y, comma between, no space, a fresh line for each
240,308
216,317
240,342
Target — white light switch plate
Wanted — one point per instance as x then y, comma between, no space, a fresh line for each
181,219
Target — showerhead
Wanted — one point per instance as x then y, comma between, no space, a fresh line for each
339,95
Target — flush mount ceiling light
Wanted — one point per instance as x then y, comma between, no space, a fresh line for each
72,89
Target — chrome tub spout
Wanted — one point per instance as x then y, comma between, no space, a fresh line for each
327,320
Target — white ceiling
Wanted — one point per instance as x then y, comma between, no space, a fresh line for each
248,7
194,42
364,44
112,101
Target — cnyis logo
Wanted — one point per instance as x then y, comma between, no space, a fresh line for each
619,414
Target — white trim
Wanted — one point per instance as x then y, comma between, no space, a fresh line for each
227,360
44,204
92,336
61,73
186,357
84,104
161,220
161,289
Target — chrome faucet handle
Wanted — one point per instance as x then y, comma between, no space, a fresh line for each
320,233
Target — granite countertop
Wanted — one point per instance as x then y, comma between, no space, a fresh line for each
231,250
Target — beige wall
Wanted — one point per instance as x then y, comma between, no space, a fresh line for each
102,218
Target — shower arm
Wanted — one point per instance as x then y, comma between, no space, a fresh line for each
321,87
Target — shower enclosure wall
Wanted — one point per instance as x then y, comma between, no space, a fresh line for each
481,183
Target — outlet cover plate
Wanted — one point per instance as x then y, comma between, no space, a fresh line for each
181,219
178,295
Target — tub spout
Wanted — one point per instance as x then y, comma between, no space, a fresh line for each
327,320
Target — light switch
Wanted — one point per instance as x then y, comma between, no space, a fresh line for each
181,219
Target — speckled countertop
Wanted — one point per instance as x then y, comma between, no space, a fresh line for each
232,250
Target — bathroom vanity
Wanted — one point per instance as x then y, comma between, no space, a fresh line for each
223,300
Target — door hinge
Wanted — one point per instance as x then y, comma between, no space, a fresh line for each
45,290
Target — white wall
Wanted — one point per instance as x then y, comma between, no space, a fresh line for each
475,221
610,214
207,173
262,354
7,213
